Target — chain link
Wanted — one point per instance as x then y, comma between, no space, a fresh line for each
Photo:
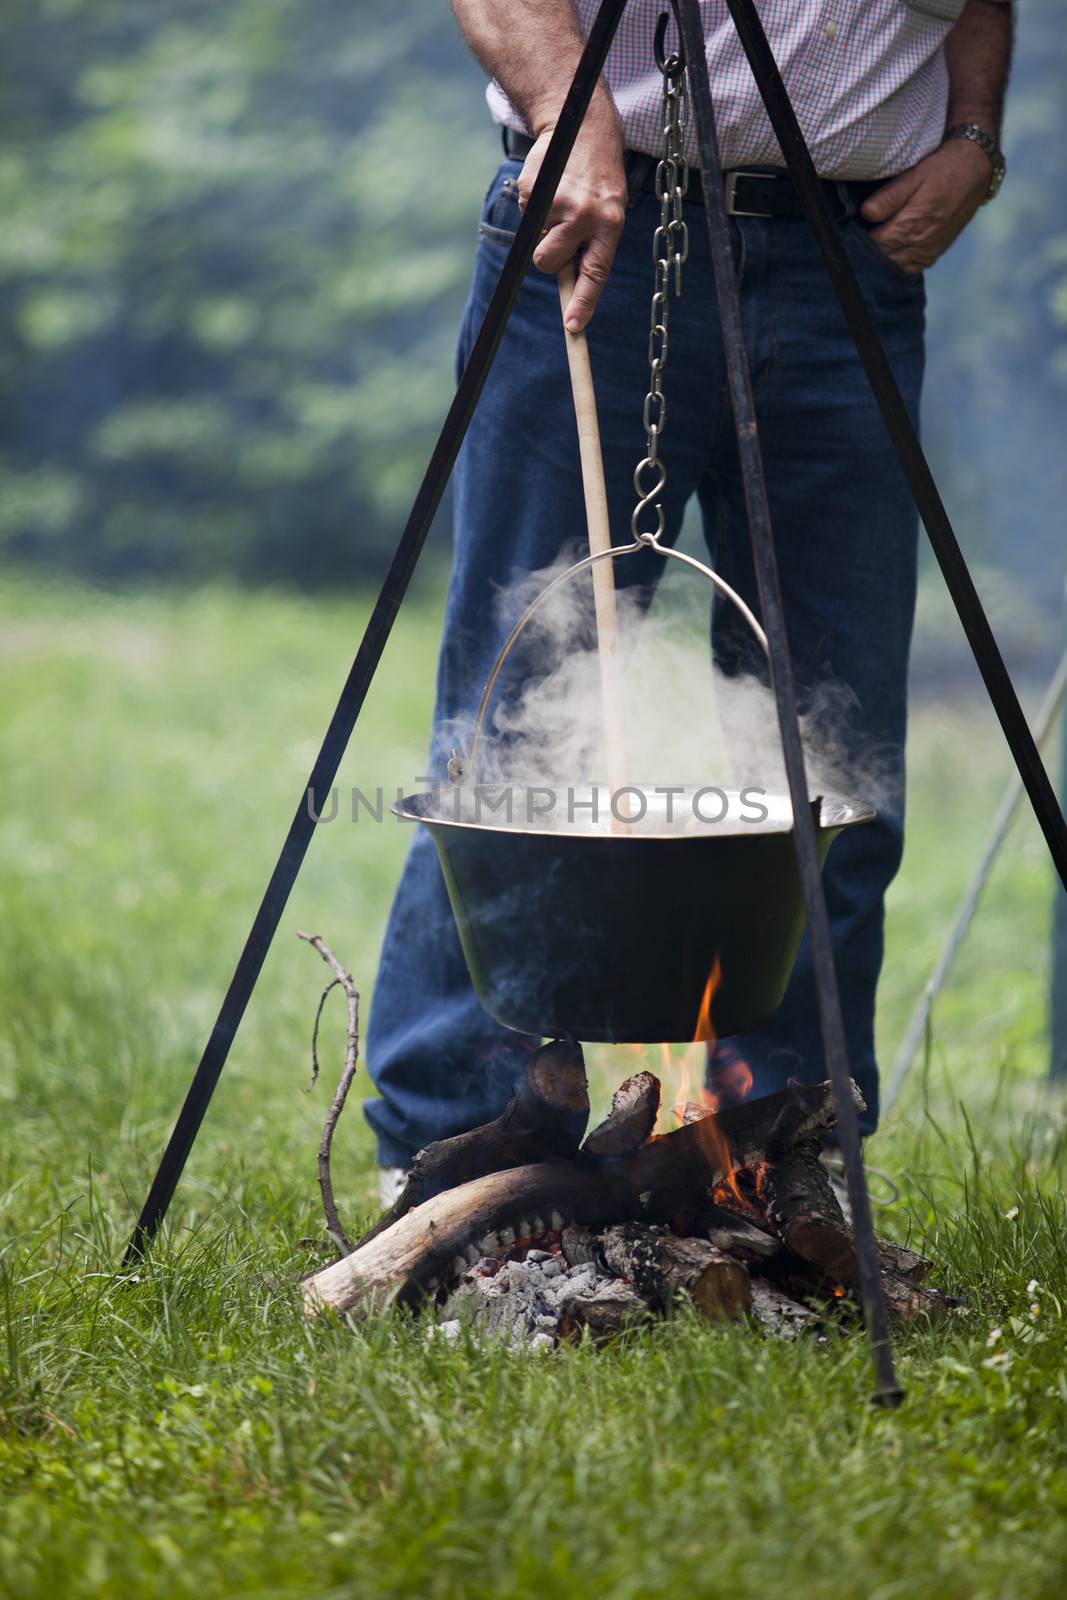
670,249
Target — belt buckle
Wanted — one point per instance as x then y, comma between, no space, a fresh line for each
732,209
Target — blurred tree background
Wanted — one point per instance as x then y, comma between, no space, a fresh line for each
234,247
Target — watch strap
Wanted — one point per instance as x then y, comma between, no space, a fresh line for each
988,144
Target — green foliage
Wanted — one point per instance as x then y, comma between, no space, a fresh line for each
235,244
188,1435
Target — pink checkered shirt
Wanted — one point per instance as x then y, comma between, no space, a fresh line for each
867,78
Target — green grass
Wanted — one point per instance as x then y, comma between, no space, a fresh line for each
189,1435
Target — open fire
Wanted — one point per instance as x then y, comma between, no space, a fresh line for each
522,1226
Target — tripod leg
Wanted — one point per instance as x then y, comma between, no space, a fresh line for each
887,1390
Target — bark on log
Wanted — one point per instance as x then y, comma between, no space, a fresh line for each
545,1118
801,1204
630,1121
906,1300
907,1264
780,1315
432,1244
662,1267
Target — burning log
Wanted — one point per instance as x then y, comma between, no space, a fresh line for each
567,1239
663,1268
801,1203
706,1150
428,1247
634,1107
546,1117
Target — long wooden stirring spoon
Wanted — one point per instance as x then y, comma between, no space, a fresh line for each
599,528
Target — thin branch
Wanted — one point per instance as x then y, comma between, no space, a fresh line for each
337,1104
323,997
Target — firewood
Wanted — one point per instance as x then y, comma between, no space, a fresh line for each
704,1151
750,1124
610,1309
727,1231
907,1300
429,1247
546,1117
662,1268
904,1262
779,1315
630,1121
801,1204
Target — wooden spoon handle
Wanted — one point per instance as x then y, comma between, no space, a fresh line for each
599,526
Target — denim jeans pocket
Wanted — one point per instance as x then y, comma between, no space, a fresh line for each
873,251
500,211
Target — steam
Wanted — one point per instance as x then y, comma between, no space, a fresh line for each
688,724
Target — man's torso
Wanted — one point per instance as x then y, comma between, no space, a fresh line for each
867,77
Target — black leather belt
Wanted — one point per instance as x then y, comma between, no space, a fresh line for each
750,191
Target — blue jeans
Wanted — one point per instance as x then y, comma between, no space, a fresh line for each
846,534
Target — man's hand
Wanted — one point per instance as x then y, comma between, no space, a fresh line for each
533,50
920,213
588,212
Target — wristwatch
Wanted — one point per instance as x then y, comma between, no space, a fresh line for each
985,141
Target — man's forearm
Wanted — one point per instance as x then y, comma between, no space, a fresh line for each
531,47
978,52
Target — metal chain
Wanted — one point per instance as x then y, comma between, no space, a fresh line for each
670,248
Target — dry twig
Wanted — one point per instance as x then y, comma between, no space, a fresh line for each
337,1104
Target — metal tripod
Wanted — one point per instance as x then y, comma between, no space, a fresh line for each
924,491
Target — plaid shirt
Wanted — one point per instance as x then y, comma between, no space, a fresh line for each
867,78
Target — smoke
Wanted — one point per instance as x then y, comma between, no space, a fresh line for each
688,725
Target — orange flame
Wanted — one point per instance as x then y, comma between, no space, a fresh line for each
733,1083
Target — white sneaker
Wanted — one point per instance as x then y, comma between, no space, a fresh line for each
391,1181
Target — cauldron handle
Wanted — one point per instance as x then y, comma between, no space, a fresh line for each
460,767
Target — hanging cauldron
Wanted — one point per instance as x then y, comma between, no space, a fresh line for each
685,926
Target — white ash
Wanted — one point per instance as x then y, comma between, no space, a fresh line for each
521,1301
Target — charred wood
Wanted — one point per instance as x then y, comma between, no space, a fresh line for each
705,1150
800,1202
579,1247
663,1267
780,1315
727,1231
608,1310
545,1118
634,1107
431,1245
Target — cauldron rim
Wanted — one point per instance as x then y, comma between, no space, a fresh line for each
835,811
